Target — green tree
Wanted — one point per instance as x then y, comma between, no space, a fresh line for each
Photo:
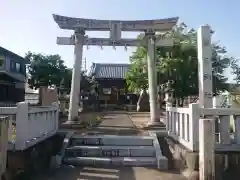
45,70
87,82
49,70
179,63
137,78
235,70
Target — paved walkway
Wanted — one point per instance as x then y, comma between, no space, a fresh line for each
110,173
117,124
119,120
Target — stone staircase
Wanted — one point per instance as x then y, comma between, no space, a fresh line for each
109,150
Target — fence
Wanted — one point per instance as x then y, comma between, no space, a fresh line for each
183,125
30,125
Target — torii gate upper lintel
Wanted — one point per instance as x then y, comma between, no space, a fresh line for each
71,23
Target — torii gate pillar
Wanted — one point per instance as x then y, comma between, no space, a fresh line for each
152,79
76,74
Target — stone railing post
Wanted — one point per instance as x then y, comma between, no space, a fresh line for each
194,125
10,128
22,125
207,124
3,143
206,149
56,115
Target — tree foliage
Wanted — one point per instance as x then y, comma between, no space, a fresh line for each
137,77
180,63
49,70
45,70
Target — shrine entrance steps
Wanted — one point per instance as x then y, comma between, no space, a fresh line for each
113,150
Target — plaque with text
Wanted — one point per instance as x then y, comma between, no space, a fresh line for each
110,153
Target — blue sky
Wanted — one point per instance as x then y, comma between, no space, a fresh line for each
27,25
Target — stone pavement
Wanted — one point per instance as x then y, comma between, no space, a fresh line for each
120,120
110,173
114,124
139,119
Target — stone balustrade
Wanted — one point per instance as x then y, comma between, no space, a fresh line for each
183,125
30,125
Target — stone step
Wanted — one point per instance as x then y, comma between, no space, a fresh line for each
110,151
117,161
112,140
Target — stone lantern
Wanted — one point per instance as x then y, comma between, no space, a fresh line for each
63,98
169,93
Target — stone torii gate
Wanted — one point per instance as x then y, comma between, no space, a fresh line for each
149,27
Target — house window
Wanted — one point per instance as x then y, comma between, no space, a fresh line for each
107,91
1,60
18,67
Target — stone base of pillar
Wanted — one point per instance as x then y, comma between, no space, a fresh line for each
154,125
70,122
73,120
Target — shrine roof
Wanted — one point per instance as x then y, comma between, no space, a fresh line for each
108,70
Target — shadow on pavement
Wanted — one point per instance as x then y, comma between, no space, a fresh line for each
90,173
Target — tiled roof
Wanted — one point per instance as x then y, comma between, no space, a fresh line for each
107,70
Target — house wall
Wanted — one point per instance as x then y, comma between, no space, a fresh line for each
13,66
12,78
11,94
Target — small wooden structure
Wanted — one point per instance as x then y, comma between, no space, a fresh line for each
112,84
